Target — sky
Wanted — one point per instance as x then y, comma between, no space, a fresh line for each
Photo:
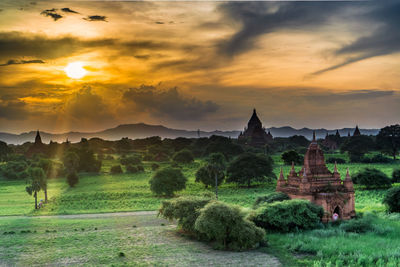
198,65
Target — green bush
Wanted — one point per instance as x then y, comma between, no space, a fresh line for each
131,168
291,156
72,179
372,178
227,227
361,225
288,215
206,176
392,199
184,156
185,210
116,169
396,176
337,160
131,160
270,198
14,170
167,180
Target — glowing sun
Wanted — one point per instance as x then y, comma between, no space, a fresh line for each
75,70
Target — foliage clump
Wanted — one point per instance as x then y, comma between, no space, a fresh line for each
372,178
227,227
270,198
116,169
167,181
72,179
249,167
213,172
361,225
392,199
288,215
185,210
131,160
396,176
184,156
291,156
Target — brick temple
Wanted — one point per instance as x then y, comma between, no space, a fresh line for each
254,134
317,184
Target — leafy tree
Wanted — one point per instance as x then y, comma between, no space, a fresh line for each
15,170
372,178
131,160
392,199
216,167
72,179
299,140
71,161
167,180
123,145
227,226
270,198
5,150
248,168
357,146
291,156
35,182
388,140
183,156
223,145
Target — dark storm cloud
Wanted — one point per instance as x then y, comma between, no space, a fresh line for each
167,103
51,13
159,22
96,18
87,105
383,41
14,110
258,18
68,10
18,62
359,96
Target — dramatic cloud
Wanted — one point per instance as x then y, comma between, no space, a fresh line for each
383,41
167,103
68,10
51,13
86,106
14,110
17,62
258,18
96,18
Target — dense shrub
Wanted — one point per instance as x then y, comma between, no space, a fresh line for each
396,176
14,170
116,169
376,159
337,160
185,210
155,166
226,226
392,199
270,198
291,156
184,156
131,169
167,180
361,225
72,179
288,215
131,160
372,178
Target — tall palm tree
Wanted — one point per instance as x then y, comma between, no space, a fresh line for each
35,182
216,166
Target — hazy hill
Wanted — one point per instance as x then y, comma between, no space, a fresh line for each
141,130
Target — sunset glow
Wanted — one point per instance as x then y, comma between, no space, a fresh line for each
75,70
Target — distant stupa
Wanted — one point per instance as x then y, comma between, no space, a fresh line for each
255,134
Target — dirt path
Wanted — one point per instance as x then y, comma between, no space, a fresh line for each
85,215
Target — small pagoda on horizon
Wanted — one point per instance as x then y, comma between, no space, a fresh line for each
254,134
37,147
317,184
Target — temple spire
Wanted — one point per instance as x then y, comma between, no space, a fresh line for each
38,139
281,177
313,136
335,168
348,175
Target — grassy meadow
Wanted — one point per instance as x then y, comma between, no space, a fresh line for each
154,242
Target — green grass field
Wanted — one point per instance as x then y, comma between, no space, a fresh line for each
130,192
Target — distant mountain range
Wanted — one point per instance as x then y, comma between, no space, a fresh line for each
141,130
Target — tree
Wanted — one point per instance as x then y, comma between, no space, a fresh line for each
4,151
396,176
392,199
388,140
372,178
167,180
291,156
35,182
357,146
71,161
248,168
183,156
213,173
